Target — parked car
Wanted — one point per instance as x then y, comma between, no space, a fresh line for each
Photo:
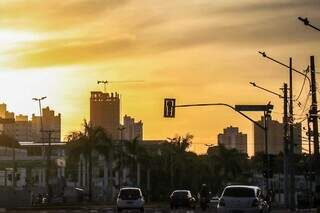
130,198
242,199
182,198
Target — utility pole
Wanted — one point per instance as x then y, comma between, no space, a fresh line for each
314,120
120,157
48,159
314,108
292,146
285,144
309,174
266,117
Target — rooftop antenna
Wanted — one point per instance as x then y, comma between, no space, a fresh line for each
105,82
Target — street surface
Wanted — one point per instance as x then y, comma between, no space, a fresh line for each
147,210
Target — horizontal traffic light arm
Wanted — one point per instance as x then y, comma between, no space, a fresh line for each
223,104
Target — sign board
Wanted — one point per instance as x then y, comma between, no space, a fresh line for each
263,108
169,107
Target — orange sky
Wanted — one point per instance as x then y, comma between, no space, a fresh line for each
197,51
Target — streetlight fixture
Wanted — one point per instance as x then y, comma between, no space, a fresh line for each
43,146
263,54
306,22
41,121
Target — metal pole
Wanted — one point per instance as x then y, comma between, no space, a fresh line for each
41,129
291,159
314,108
266,149
309,183
314,119
285,144
120,156
49,165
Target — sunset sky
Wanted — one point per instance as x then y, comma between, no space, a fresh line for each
198,51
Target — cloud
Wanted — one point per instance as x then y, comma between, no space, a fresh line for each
122,29
54,15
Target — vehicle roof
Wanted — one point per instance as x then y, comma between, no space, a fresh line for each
181,190
126,188
243,186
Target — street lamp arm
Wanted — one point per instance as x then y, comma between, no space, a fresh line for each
227,105
306,22
285,65
255,85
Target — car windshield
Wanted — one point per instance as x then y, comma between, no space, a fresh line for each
129,194
239,192
180,194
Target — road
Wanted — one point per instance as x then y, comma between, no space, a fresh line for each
106,210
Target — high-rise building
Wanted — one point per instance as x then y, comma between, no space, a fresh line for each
23,128
233,139
275,137
50,122
132,129
4,113
105,112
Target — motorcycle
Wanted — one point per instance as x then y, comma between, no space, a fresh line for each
204,203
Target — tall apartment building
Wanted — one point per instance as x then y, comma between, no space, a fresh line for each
7,122
132,129
23,128
4,114
50,122
231,138
275,137
105,112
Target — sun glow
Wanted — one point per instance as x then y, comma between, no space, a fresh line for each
9,37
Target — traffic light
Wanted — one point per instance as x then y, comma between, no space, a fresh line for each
169,107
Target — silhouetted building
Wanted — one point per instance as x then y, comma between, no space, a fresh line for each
23,128
4,113
233,139
105,112
50,122
132,129
7,127
275,137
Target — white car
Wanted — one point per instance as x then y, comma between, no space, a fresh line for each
242,199
130,198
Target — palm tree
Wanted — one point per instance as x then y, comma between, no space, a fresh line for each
106,148
85,143
135,155
225,162
178,147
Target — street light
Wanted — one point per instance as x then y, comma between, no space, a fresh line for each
41,130
263,54
121,128
41,121
306,22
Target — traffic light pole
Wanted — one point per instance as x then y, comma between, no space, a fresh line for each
222,104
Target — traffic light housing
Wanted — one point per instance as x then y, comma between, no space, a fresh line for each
169,108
